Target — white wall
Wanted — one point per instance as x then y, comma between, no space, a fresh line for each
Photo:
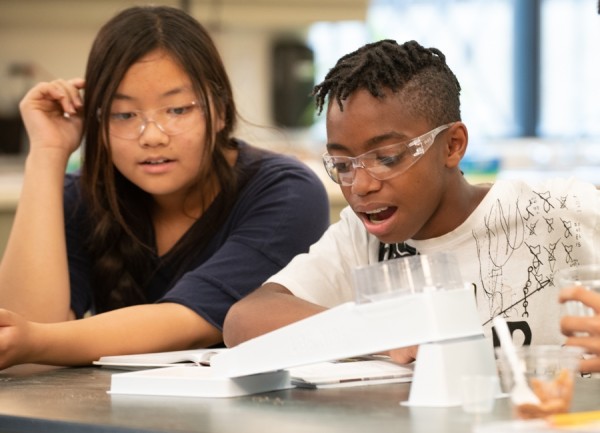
55,36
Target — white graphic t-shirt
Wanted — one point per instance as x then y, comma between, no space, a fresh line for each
509,250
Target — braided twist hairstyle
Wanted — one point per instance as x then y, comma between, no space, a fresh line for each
418,75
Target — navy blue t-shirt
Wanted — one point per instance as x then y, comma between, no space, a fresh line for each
281,210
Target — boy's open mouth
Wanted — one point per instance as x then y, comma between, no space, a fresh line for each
379,215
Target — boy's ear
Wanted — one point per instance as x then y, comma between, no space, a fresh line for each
456,144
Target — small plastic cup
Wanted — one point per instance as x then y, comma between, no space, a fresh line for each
479,393
587,276
405,276
550,372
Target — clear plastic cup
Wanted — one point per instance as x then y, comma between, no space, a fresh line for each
587,276
406,275
550,372
478,392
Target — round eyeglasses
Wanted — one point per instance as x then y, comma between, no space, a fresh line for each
383,163
170,119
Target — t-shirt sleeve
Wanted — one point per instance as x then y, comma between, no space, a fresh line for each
323,276
281,212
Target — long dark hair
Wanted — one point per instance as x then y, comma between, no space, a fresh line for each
122,235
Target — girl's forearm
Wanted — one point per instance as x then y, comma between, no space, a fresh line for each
137,329
34,279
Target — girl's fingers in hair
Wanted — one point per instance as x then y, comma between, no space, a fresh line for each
49,96
67,94
77,82
76,85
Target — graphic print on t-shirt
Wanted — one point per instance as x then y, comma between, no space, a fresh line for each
395,251
524,242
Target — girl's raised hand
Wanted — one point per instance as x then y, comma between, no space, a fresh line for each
51,112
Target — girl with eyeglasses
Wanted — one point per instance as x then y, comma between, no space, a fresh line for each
171,219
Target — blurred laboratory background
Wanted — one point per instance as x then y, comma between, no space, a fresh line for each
528,68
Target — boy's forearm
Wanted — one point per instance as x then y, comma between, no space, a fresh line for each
268,308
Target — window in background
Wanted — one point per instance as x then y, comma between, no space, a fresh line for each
527,67
475,35
329,42
570,43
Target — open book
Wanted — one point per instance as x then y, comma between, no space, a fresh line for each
158,359
350,372
188,372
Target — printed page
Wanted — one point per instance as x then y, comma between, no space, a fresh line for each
159,359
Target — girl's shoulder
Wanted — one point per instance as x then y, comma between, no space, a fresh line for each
250,155
258,162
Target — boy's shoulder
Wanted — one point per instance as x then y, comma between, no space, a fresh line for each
556,185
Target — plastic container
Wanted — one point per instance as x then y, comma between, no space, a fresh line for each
405,276
550,371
